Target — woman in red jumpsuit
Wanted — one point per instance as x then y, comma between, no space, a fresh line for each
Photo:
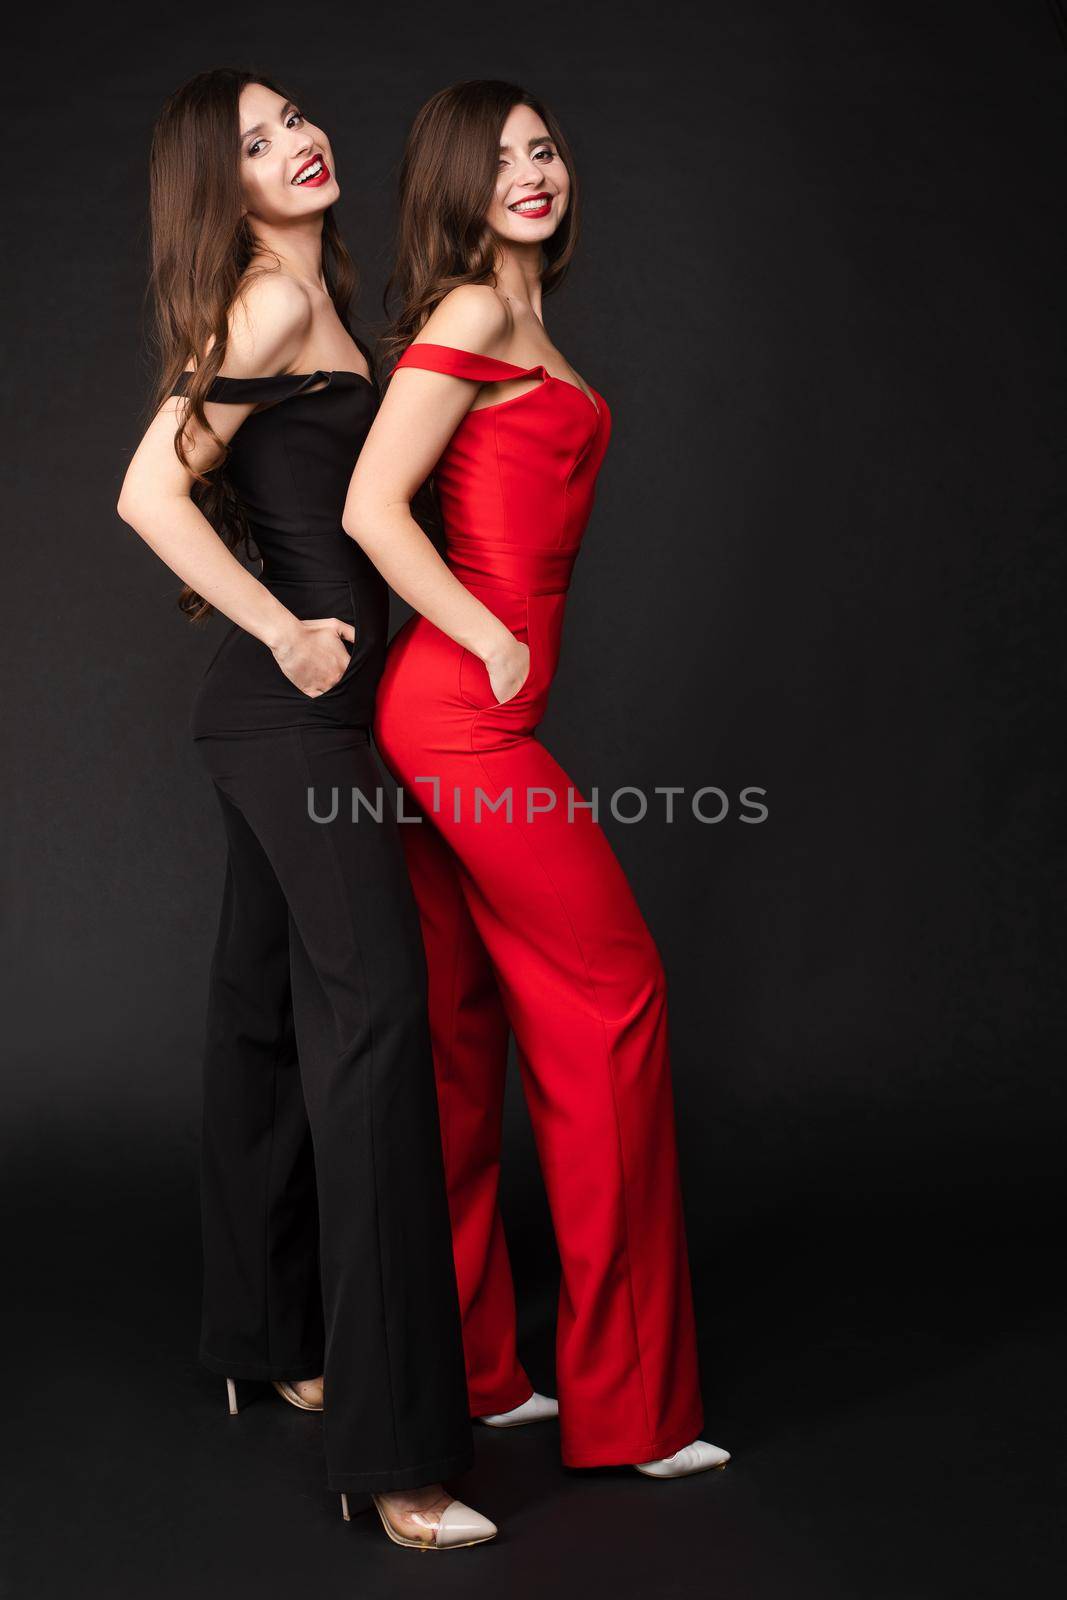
528,920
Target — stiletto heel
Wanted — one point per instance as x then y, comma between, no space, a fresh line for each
231,1396
346,1510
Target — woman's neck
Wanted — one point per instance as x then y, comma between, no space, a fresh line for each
518,276
297,245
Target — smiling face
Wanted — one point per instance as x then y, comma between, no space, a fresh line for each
286,164
532,186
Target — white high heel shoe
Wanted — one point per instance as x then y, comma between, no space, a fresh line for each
286,1390
538,1408
451,1529
696,1457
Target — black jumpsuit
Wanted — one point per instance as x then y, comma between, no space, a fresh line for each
322,1180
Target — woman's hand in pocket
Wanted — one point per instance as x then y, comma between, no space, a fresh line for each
508,666
313,656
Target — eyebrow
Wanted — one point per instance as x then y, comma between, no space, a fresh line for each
542,138
286,108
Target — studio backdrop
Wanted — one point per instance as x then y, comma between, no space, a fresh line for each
812,649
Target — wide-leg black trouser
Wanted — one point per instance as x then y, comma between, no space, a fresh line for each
327,1245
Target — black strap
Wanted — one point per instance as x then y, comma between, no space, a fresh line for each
253,391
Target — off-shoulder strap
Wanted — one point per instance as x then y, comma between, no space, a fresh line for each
464,364
253,391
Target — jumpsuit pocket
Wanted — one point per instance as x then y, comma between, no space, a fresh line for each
324,605
475,690
354,650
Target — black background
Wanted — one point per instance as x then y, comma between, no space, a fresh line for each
820,286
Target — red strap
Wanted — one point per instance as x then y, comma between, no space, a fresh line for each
464,364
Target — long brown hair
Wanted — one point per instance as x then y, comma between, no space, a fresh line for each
203,250
447,182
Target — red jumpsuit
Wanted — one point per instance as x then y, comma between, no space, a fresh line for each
529,923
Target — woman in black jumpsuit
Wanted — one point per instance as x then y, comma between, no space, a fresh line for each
334,898
327,1246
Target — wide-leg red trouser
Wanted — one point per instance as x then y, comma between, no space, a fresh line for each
529,922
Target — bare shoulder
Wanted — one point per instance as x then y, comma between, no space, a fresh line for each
269,322
470,317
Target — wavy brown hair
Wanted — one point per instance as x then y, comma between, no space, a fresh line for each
447,181
203,252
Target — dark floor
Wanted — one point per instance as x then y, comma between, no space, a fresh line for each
892,1393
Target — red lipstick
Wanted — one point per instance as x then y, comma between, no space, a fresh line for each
532,211
318,180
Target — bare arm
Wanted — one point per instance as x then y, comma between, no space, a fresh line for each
268,328
418,416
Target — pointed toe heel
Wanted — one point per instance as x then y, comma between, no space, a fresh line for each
700,1456
459,1525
